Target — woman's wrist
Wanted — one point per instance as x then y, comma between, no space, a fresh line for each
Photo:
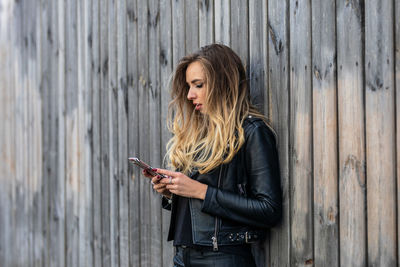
202,191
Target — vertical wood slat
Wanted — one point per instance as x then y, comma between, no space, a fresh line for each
178,30
122,83
71,130
222,21
379,102
257,82
278,69
106,242
165,76
96,73
325,210
133,132
351,139
397,115
154,128
144,146
190,27
206,22
113,132
300,152
239,30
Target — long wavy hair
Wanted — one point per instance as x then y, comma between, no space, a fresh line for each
204,141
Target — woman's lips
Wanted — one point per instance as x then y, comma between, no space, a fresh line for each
198,106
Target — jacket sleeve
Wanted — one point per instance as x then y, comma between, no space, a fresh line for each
262,207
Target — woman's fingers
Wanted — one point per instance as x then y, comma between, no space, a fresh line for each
167,172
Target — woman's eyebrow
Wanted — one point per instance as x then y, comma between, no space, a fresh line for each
196,80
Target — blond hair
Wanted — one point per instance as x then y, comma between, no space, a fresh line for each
205,141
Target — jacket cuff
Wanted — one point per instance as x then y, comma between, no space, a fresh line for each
210,194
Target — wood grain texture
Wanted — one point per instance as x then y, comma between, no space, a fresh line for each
397,115
278,78
96,134
206,22
190,16
326,223
351,138
239,30
301,158
178,30
122,106
380,137
144,131
165,58
222,21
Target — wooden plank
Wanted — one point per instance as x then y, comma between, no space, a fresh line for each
96,134
178,31
144,131
133,133
278,70
206,22
301,135
123,193
113,131
380,133
257,82
72,135
105,136
165,75
222,21
7,134
240,29
397,93
154,136
191,25
326,232
350,70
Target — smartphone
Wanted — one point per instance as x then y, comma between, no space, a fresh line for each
145,166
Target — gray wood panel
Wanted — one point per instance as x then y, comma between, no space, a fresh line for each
326,220
351,139
380,133
300,138
85,84
278,69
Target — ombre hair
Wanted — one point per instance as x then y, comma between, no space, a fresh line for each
204,141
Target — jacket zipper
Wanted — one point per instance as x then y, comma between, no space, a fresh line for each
214,238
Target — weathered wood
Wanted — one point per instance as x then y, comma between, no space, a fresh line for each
178,30
300,152
351,139
326,230
113,131
105,100
206,22
191,25
133,133
165,58
239,29
144,131
122,83
278,69
397,114
72,135
222,21
257,82
96,73
380,133
154,128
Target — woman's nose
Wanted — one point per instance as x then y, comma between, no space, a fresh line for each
191,95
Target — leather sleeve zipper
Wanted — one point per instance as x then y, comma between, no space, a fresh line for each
214,238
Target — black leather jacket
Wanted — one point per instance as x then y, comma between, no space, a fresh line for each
243,197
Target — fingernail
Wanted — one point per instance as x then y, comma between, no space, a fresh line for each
159,176
154,170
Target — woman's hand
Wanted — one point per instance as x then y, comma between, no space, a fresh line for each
181,185
159,187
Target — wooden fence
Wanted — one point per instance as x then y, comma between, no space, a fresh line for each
84,85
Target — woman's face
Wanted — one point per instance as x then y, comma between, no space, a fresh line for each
195,79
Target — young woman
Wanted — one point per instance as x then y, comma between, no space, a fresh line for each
226,188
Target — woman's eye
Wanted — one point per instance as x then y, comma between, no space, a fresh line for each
199,85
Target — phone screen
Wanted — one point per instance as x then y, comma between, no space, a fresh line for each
145,166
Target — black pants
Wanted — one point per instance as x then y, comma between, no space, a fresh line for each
190,257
